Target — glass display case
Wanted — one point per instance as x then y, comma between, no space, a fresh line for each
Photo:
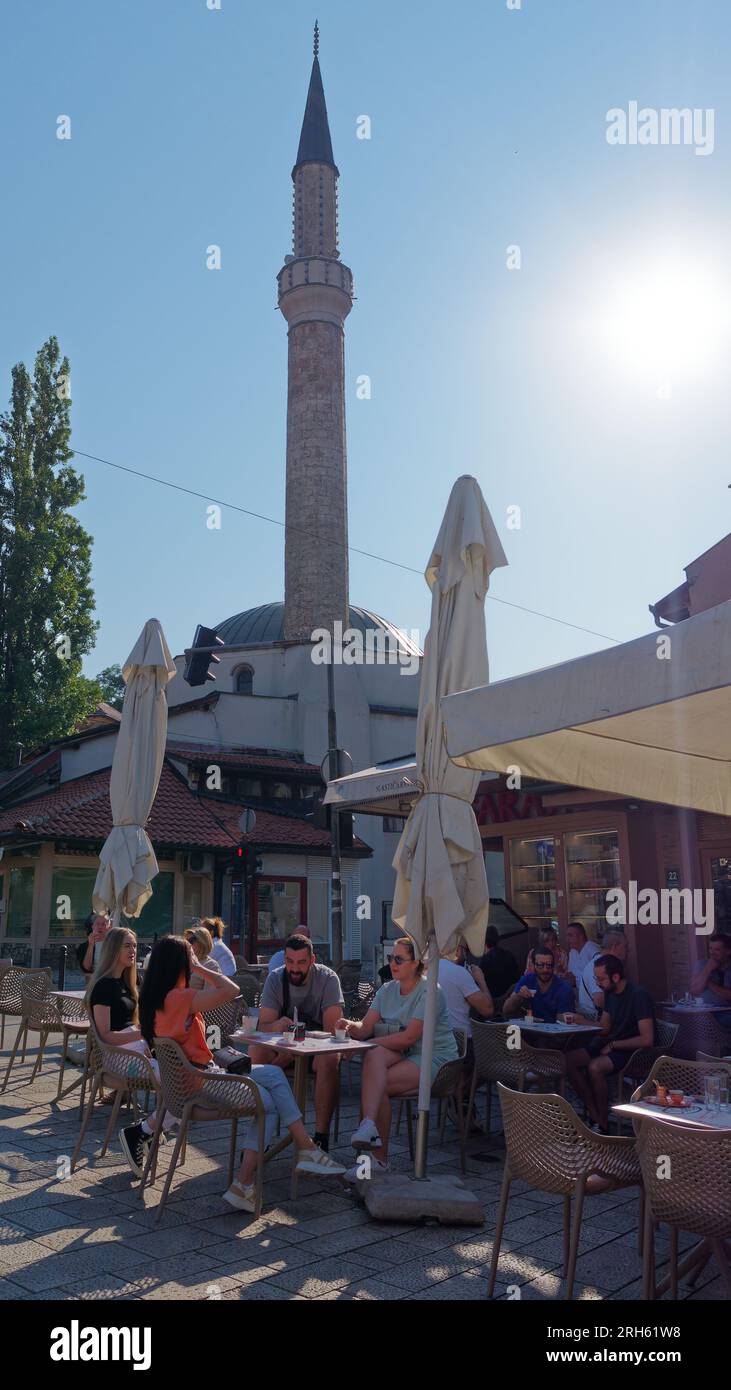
533,878
592,865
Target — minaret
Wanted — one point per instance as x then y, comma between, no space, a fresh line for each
315,296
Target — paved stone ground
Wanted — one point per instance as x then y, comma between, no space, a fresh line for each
91,1236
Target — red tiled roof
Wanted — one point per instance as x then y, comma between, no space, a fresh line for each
80,810
272,829
237,757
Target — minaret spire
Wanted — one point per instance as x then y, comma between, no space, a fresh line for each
315,297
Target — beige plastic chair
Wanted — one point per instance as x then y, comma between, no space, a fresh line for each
42,1014
699,1033
121,1071
448,1084
681,1074
548,1147
197,1096
687,1176
519,1067
10,1003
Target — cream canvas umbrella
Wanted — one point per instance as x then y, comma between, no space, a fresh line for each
441,890
127,859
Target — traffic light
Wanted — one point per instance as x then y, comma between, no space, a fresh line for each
197,661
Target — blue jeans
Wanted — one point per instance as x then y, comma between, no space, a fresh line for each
277,1099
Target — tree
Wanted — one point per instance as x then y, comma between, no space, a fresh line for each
112,685
46,599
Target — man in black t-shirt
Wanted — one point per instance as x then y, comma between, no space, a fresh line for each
628,1022
499,967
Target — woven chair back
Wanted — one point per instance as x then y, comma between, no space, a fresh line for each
679,1073
496,1056
38,1007
687,1176
548,1146
10,980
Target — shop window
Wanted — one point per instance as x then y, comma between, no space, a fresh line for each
71,891
244,680
393,825
156,917
592,868
248,786
20,902
280,791
279,908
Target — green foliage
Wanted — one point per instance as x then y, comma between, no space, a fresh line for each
112,685
46,599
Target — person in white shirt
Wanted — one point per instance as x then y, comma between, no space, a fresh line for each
581,952
589,995
464,988
222,955
277,960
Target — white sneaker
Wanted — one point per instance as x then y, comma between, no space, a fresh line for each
362,1173
243,1198
317,1162
366,1136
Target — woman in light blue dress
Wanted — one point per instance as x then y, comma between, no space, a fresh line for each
396,1020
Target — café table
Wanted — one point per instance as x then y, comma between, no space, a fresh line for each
560,1033
701,1116
671,1008
301,1053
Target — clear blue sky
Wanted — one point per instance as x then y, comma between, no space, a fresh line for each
488,130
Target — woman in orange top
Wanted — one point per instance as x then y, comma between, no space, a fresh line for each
169,1008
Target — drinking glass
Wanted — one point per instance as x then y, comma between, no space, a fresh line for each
713,1092
723,1101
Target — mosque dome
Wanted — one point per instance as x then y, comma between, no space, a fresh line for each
256,627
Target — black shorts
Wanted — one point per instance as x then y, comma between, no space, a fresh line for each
616,1056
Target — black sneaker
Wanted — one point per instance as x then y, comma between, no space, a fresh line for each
134,1143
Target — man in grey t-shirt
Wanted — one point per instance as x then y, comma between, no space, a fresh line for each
316,994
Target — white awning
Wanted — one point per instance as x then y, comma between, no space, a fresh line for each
388,789
649,719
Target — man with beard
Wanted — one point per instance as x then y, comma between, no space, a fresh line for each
627,1022
540,990
316,993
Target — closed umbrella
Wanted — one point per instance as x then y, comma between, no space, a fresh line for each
127,859
441,890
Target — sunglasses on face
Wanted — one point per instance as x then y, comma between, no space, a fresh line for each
398,960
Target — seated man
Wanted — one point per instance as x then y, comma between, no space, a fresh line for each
498,966
589,997
541,990
628,1022
711,980
316,993
277,960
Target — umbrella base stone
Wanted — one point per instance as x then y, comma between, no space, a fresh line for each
401,1197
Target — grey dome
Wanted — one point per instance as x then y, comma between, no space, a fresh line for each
256,627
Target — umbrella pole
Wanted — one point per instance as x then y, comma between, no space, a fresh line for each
427,1052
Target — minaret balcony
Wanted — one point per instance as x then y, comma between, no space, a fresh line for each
315,286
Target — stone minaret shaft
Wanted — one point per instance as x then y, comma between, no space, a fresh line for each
315,296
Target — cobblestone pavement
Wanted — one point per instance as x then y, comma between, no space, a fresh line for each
92,1236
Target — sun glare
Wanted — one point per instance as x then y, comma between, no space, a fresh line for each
667,319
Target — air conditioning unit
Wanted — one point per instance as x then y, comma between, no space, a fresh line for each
197,861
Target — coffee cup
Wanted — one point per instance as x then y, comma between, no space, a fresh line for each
247,1025
676,1097
341,1030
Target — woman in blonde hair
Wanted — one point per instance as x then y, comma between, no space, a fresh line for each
200,939
396,1020
220,951
112,1005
